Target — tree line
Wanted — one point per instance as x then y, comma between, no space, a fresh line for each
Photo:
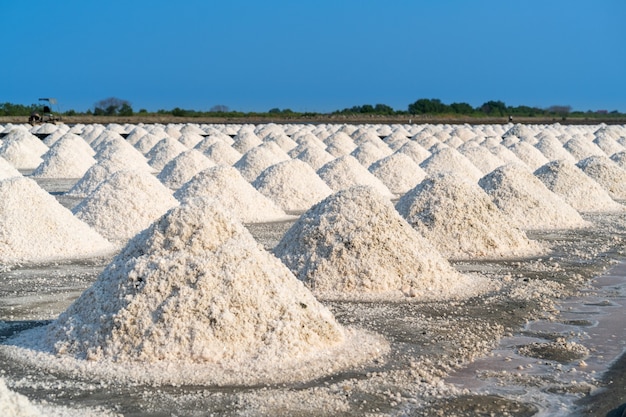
114,106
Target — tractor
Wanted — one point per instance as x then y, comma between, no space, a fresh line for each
46,115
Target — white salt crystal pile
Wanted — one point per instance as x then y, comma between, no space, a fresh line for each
55,136
608,144
195,300
620,159
307,139
461,221
527,202
553,149
135,134
104,139
124,204
293,185
315,156
37,228
505,154
245,140
234,193
530,155
369,152
7,170
339,144
148,141
22,149
606,173
222,154
480,156
68,157
416,151
182,168
346,171
204,144
281,139
190,139
448,159
579,190
523,132
257,159
398,172
354,244
580,147
13,404
163,152
122,151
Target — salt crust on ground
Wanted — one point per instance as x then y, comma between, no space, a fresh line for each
37,228
606,173
238,196
345,172
579,190
293,185
194,300
124,204
355,245
462,222
527,202
182,168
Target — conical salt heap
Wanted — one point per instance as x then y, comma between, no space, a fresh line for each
606,173
163,152
293,185
68,157
7,170
461,221
354,244
398,171
35,227
528,154
230,188
527,202
193,299
345,172
581,147
449,159
182,168
620,159
22,149
257,159
480,156
124,204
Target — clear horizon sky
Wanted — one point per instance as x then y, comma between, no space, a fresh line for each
316,56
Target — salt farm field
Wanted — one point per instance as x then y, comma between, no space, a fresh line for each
448,270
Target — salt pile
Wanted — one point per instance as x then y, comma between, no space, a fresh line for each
480,156
222,154
346,171
124,204
7,170
148,141
22,149
182,168
580,147
293,185
190,139
415,151
579,190
253,162
368,152
354,244
234,193
315,156
448,159
608,144
530,155
163,152
13,404
461,221
398,172
339,144
527,202
620,159
606,173
245,140
521,131
552,149
37,228
194,300
68,157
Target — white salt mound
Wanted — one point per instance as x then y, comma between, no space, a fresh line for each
36,228
222,154
354,244
22,149
7,170
606,173
345,172
124,204
69,157
13,404
450,160
293,185
182,168
620,159
527,202
163,152
580,147
530,155
579,190
416,151
399,172
257,159
234,193
368,152
553,149
313,155
461,221
194,300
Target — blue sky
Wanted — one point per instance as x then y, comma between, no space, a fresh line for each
318,56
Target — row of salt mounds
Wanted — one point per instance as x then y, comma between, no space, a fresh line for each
37,228
293,185
7,170
527,202
182,168
124,204
195,300
579,190
22,149
345,172
606,173
462,222
69,157
355,245
234,193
